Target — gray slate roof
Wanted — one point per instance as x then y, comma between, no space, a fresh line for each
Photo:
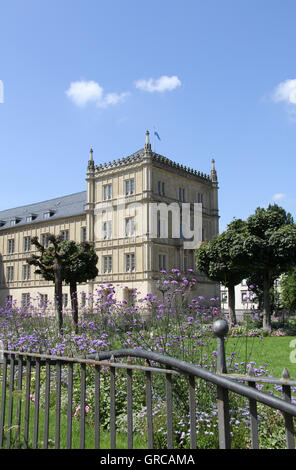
60,207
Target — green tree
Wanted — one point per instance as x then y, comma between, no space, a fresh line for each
271,241
50,266
288,290
223,260
65,261
80,266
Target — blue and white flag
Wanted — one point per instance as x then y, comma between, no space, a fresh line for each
156,133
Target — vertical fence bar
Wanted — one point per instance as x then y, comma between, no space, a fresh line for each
27,403
223,418
3,398
220,329
82,405
58,405
149,409
290,432
253,415
97,407
112,409
37,403
10,401
70,405
47,402
169,405
192,412
129,409
19,400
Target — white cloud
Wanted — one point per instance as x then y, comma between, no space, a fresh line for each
111,99
278,196
285,91
160,85
83,92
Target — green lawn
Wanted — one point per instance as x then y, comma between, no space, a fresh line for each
271,353
121,438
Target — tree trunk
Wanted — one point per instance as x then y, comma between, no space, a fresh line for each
58,287
231,304
266,302
74,304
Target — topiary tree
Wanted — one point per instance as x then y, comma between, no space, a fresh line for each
271,238
65,261
80,266
50,266
223,260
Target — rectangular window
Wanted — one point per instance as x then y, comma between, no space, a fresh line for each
162,264
107,191
65,300
129,187
129,226
128,296
182,194
26,272
43,300
27,243
9,273
107,264
44,240
160,187
107,229
200,198
186,264
244,296
83,234
224,297
130,262
11,245
203,235
65,235
26,299
83,299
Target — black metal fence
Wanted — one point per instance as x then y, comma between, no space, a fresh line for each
20,417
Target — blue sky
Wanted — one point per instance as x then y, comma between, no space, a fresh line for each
215,78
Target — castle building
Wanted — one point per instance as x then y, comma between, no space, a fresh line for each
138,212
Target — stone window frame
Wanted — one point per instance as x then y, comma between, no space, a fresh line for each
130,262
11,245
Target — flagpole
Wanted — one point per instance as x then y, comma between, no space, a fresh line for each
154,139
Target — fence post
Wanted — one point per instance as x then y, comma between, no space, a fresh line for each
220,329
289,423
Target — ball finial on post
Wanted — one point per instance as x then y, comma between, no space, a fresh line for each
220,329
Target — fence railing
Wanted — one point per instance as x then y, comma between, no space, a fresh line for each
23,373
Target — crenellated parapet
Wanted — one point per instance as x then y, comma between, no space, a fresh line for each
156,158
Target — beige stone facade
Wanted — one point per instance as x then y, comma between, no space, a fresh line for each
131,211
